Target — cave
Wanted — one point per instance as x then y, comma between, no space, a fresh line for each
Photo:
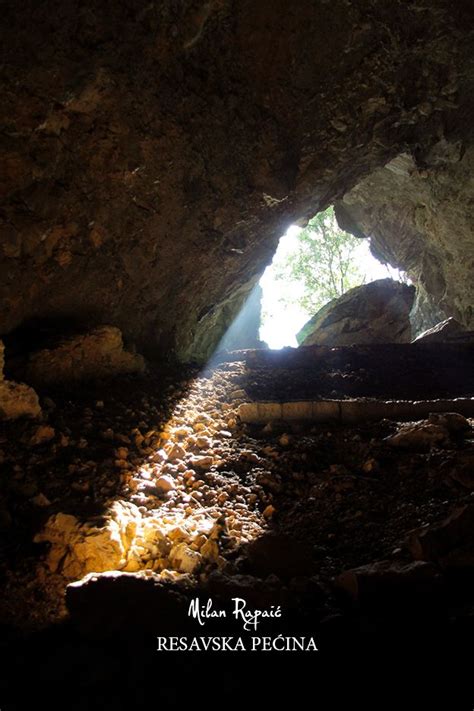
186,515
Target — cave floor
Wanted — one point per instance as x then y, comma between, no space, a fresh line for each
275,512
385,371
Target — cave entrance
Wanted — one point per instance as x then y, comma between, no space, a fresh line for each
312,266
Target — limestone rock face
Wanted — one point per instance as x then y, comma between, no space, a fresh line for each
419,214
153,153
97,354
372,313
425,313
16,399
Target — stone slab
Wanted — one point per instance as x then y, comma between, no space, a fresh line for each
350,411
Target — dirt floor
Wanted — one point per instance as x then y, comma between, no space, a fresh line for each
289,508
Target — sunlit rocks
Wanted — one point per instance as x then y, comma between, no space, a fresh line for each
210,550
96,354
78,549
128,541
201,461
165,484
181,512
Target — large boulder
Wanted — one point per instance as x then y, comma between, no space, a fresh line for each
97,354
372,313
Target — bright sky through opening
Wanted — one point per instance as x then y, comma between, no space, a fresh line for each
282,322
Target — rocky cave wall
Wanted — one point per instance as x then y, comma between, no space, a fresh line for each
420,217
153,153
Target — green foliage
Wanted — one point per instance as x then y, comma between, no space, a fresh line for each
322,264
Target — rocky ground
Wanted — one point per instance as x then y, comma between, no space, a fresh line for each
157,476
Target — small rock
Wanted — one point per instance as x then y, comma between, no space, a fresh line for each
420,436
165,483
371,465
81,486
121,464
41,500
210,550
203,442
184,559
269,511
176,451
43,433
201,462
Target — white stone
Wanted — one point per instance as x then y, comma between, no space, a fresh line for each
165,483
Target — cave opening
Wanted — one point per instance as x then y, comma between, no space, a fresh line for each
312,266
